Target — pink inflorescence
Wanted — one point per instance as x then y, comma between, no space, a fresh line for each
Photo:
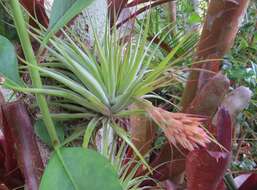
179,127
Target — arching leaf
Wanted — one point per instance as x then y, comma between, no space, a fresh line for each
63,11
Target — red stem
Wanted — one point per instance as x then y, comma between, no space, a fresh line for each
137,2
143,9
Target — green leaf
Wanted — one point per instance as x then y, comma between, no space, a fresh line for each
243,43
8,61
194,18
79,131
41,132
79,169
124,135
6,28
63,11
88,133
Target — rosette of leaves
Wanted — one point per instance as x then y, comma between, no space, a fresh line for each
100,83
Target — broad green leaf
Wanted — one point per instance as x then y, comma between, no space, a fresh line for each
8,61
41,131
63,11
79,169
194,18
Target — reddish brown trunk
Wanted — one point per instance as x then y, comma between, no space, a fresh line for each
209,98
221,25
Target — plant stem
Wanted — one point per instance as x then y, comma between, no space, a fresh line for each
230,182
34,73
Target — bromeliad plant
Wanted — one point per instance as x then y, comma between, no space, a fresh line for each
102,83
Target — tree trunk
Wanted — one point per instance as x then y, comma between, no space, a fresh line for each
172,11
221,25
96,13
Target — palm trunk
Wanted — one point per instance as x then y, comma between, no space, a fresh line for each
221,25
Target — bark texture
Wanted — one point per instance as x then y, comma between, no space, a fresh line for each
207,101
172,8
221,26
93,16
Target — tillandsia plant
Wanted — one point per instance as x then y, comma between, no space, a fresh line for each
102,83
